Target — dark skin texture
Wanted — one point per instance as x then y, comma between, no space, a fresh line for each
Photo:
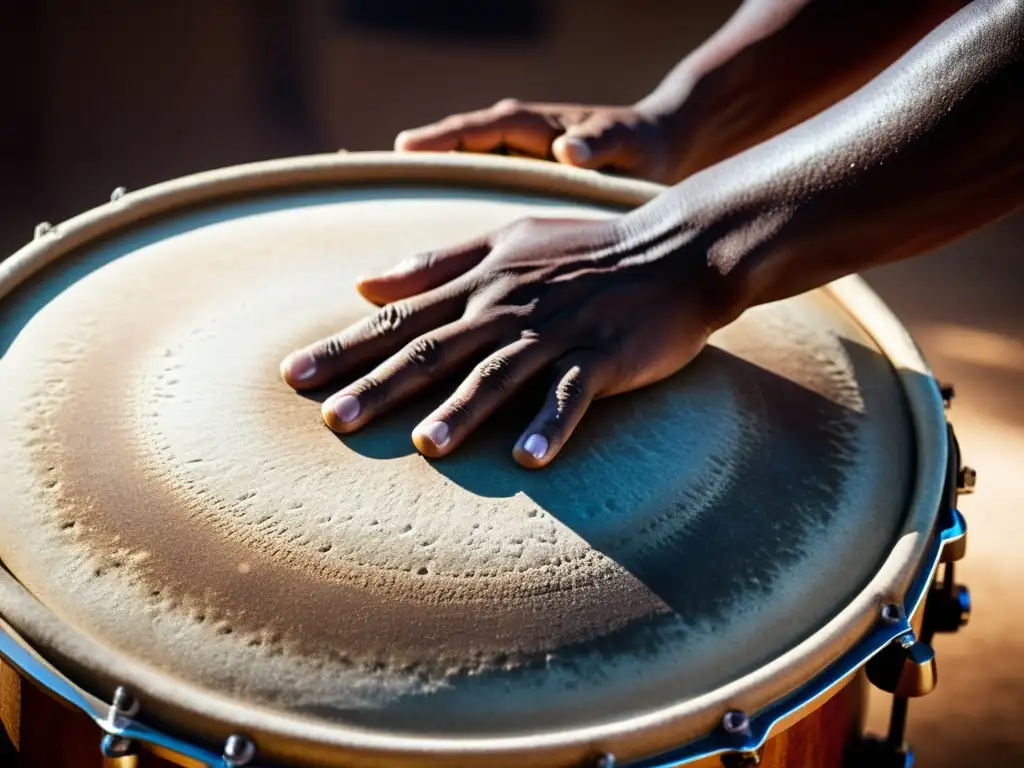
773,64
930,149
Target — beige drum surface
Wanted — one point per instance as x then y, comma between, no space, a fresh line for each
165,494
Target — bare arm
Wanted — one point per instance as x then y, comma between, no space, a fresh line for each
930,149
773,64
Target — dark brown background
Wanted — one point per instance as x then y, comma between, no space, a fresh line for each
115,92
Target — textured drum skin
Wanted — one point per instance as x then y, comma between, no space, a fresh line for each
166,495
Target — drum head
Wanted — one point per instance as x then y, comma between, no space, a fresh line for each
166,497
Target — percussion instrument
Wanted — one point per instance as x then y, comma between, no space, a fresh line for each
196,568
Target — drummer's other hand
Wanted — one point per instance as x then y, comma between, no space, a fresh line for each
594,307
621,139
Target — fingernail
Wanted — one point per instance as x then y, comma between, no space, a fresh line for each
298,366
578,150
536,446
436,432
346,408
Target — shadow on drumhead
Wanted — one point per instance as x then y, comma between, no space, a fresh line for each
711,486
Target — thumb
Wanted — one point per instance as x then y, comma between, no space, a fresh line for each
598,142
422,272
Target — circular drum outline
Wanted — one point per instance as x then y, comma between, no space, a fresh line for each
782,691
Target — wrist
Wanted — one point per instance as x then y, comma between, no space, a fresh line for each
718,256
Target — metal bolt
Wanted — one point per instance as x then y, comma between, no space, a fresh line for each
124,702
967,479
892,613
115,746
607,760
118,193
907,640
43,228
736,723
238,751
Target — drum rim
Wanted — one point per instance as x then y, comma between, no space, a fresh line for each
182,705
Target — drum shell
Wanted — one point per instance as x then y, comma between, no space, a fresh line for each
823,738
311,172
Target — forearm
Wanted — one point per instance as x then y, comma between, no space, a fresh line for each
929,150
777,62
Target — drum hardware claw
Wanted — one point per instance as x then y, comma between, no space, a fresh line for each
118,193
238,751
966,479
43,228
607,760
905,668
123,707
893,613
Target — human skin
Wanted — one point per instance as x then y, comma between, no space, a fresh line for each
773,64
930,149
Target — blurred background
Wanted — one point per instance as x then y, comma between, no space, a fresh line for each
114,92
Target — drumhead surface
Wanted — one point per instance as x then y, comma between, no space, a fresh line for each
166,495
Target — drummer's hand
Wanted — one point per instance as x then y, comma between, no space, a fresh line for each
591,306
621,139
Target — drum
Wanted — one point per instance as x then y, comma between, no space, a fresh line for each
196,568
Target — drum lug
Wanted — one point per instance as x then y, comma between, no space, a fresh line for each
736,725
43,228
238,751
947,609
905,668
118,193
607,760
123,707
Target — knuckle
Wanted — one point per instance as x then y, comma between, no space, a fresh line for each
495,373
389,318
330,348
425,353
570,392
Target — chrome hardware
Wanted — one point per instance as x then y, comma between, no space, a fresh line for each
966,479
893,613
905,668
43,228
607,760
112,746
947,609
123,707
118,193
736,723
124,704
238,751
